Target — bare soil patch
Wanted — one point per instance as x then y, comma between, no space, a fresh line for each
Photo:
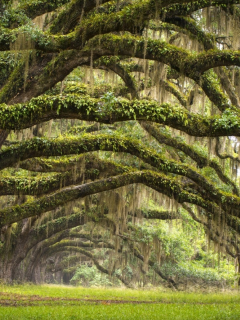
13,299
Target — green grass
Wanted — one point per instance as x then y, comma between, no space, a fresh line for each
170,305
128,312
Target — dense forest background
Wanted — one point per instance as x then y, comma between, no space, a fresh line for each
119,136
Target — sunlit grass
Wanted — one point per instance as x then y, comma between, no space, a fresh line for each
125,312
157,295
168,305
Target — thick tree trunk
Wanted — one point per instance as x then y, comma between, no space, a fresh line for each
5,270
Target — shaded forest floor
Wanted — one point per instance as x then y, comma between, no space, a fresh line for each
60,302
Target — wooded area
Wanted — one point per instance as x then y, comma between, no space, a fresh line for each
119,126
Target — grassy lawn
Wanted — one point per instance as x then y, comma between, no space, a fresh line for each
60,302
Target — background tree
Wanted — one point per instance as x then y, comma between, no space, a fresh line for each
140,97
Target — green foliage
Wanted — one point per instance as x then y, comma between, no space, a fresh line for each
193,272
109,101
90,276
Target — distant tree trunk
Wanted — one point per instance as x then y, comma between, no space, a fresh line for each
238,268
3,136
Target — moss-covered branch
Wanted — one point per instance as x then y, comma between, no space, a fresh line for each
182,9
201,159
115,21
44,108
159,182
53,227
78,243
118,68
124,73
86,162
89,168
224,156
224,241
208,42
193,66
33,9
63,146
58,147
67,19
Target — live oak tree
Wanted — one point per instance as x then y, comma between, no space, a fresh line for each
158,84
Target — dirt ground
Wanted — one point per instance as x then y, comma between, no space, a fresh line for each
11,300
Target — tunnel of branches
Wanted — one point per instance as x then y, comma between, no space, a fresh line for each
116,117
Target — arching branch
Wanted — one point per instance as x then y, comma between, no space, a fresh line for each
84,108
158,182
110,143
200,159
